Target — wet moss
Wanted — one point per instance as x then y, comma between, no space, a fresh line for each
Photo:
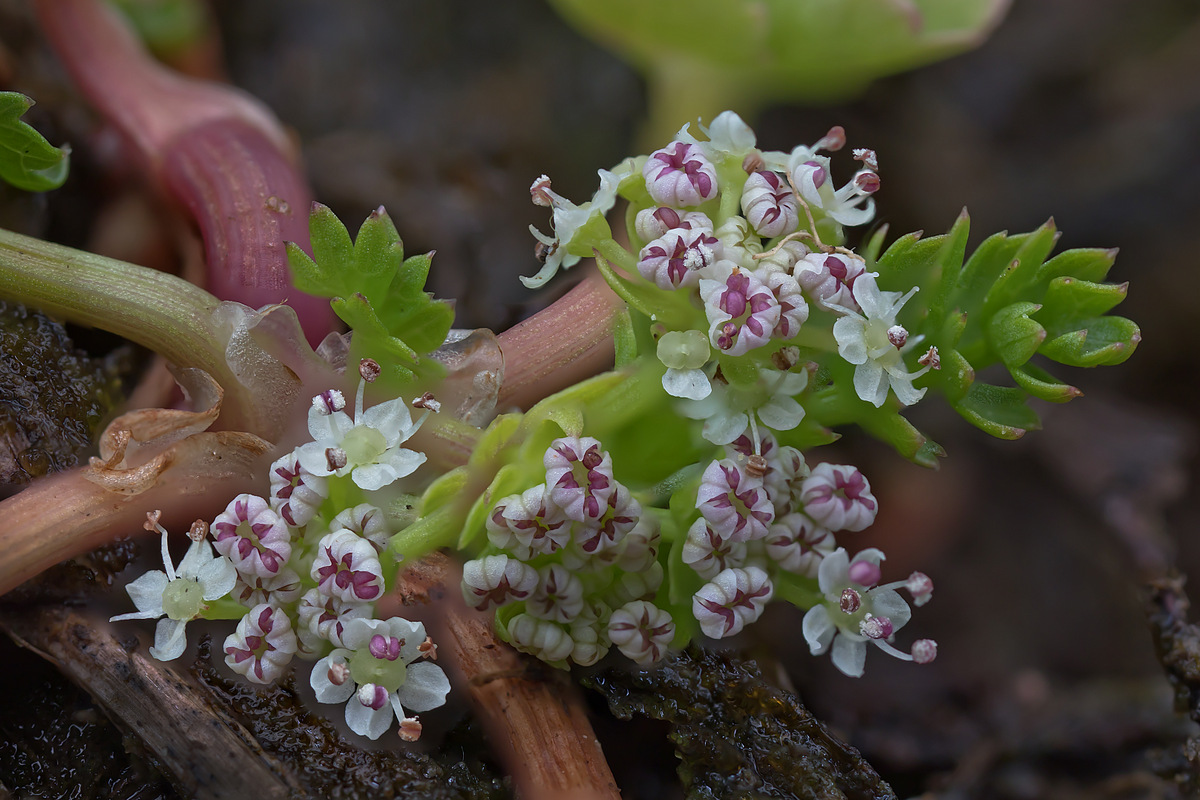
55,742
330,766
737,736
53,396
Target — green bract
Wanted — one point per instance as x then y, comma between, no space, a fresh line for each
27,160
1007,304
376,291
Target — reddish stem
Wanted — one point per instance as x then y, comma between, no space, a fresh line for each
561,345
213,149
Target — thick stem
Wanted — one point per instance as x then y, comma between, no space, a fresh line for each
560,345
215,150
65,515
534,713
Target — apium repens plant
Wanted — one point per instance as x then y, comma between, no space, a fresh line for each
671,498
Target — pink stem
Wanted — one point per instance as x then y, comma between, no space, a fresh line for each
561,345
213,149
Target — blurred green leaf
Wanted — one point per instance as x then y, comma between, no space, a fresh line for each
27,160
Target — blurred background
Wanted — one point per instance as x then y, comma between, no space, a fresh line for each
1047,683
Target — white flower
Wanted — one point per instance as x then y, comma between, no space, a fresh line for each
733,599
850,205
568,218
296,494
366,447
347,566
853,614
685,353
253,537
375,675
494,580
680,175
178,596
769,205
728,411
365,520
875,343
742,312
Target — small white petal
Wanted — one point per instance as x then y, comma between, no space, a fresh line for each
425,688
391,419
818,629
217,577
326,690
146,593
849,655
691,384
169,640
367,721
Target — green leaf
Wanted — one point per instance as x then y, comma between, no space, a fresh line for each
377,248
1015,282
890,427
1013,335
1068,300
1042,384
1090,264
998,410
27,160
307,275
1102,341
331,245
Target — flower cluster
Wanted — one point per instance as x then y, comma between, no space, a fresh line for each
573,564
737,263
306,572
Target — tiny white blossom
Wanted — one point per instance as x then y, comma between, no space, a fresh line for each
733,599
642,631
730,410
365,446
178,596
838,497
853,613
874,343
568,218
378,676
263,644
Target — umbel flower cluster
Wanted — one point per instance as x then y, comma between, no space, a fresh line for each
303,568
673,497
733,250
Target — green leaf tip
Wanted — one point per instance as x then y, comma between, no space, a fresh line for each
27,160
375,290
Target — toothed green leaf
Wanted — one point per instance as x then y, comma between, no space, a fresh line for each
998,410
27,160
1018,278
1013,335
1042,384
1073,299
1100,341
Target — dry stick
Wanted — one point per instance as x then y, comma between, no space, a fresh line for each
534,712
206,756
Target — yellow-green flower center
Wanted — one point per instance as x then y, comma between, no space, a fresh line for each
183,599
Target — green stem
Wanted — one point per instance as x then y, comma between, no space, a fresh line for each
431,532
160,311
